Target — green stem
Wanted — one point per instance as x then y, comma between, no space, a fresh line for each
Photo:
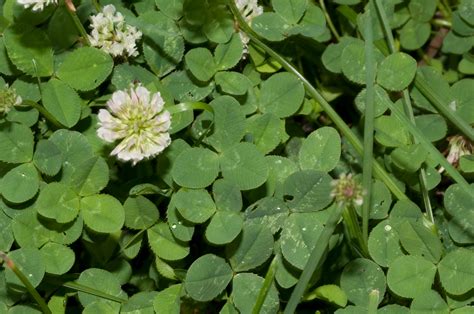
434,153
32,291
45,113
422,178
354,231
126,245
96,5
407,107
329,21
77,22
444,8
314,260
373,302
82,288
368,128
79,287
379,171
266,287
447,112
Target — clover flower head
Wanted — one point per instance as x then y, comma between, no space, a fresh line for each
8,99
111,34
458,147
249,10
346,190
137,118
37,5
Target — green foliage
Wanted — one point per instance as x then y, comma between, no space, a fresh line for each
410,276
54,94
231,215
362,273
86,68
29,49
211,271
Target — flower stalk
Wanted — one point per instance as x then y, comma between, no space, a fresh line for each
29,287
71,9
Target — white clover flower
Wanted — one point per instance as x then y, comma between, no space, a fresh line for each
38,5
346,190
138,119
249,10
8,99
111,34
458,147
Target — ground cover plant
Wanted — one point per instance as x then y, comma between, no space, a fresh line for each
221,156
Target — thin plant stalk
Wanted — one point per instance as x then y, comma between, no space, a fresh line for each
314,259
373,302
29,287
329,21
354,231
368,128
379,171
96,5
434,153
72,12
262,295
45,113
447,112
408,109
82,288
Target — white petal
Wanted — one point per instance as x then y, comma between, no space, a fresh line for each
109,9
107,134
157,102
104,116
119,98
143,95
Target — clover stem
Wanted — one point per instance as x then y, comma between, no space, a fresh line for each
445,9
11,265
44,113
96,5
373,301
72,12
329,20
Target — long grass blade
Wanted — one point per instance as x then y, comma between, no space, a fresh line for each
435,154
422,178
262,295
368,127
445,110
314,260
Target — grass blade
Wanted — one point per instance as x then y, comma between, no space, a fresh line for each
314,260
407,106
447,112
368,127
266,287
435,154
